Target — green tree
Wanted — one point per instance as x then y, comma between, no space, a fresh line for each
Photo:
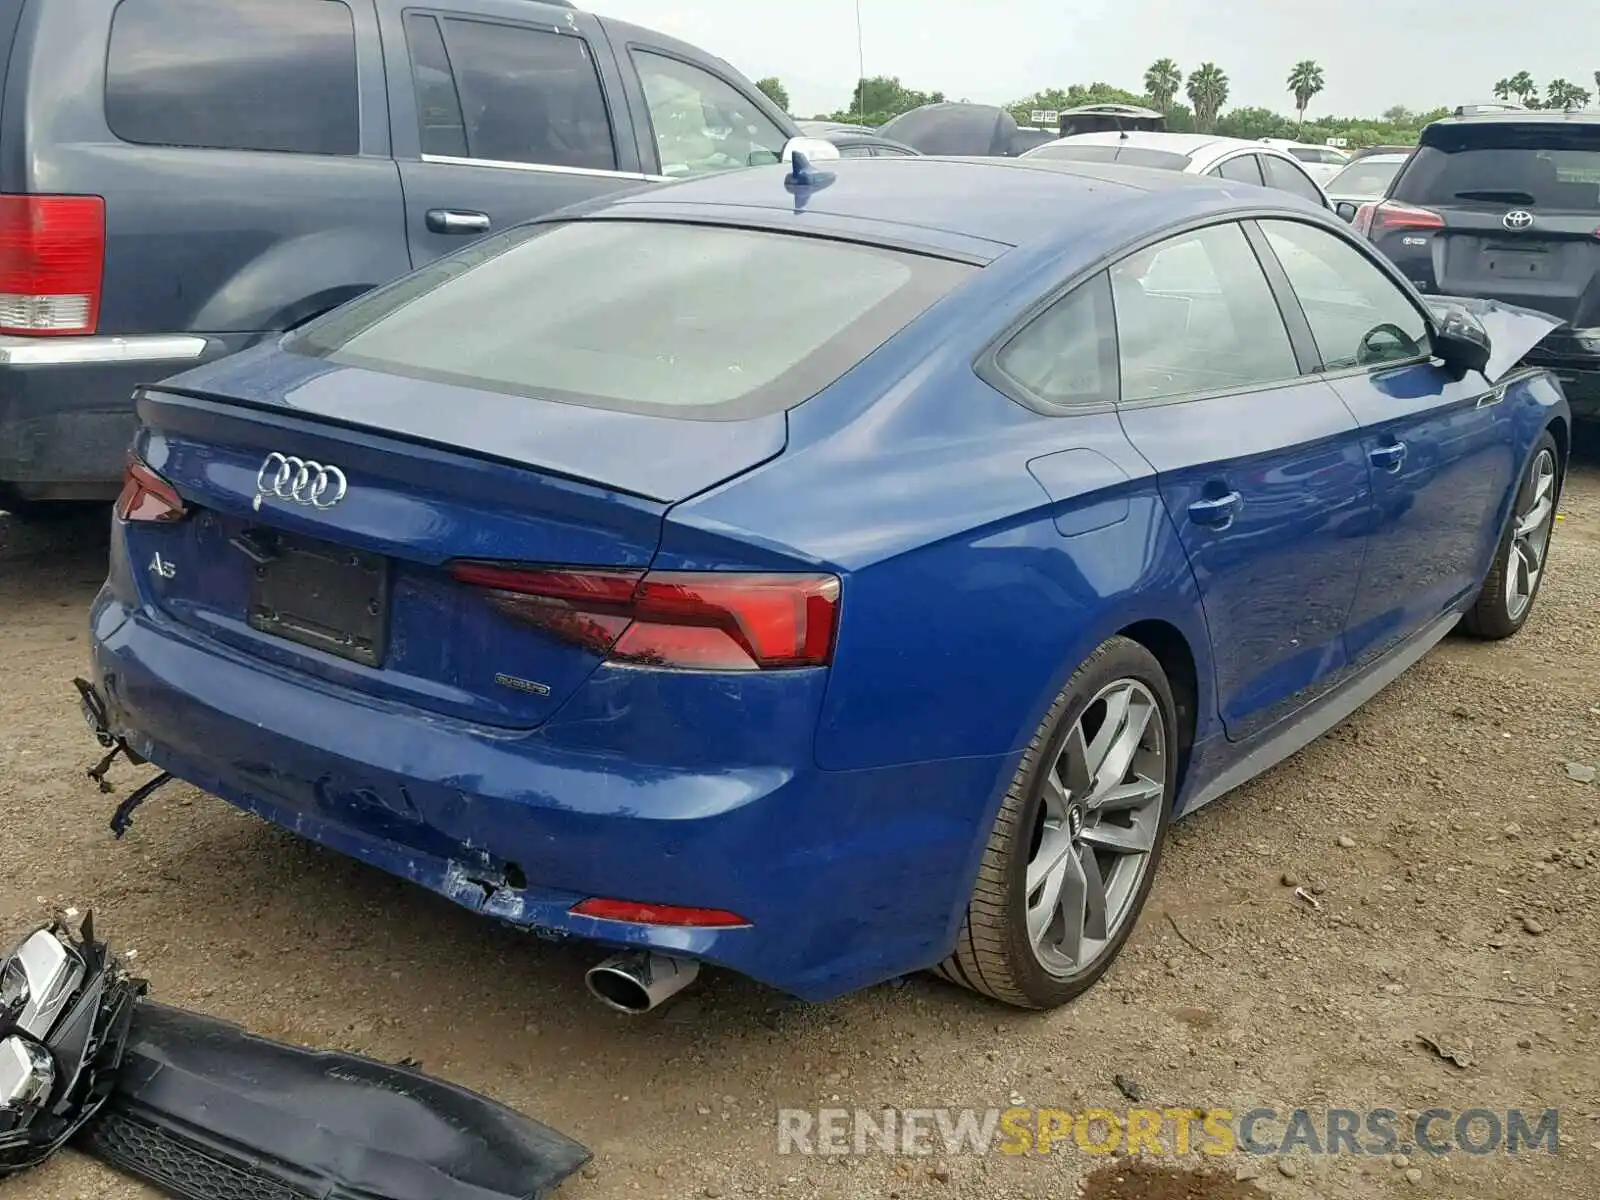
1305,81
1253,124
1560,94
1161,83
776,92
1208,92
1049,98
1522,86
882,97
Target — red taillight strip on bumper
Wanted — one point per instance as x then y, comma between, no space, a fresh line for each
698,620
636,913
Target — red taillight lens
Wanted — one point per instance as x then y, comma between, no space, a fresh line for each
1373,219
702,620
148,497
52,259
658,914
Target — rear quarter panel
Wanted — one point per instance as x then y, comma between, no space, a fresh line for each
205,240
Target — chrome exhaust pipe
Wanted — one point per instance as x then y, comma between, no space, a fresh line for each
635,981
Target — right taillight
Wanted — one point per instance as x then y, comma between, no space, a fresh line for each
694,620
146,496
52,261
1386,215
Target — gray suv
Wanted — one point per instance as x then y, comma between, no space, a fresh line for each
182,178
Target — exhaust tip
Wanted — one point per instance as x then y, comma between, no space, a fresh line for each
636,981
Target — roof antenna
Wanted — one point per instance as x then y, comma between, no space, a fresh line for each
803,177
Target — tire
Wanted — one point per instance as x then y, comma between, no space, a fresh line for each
996,954
1518,569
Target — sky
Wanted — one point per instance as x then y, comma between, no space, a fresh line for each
1375,53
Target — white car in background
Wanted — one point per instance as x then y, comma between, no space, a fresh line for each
1193,153
1364,180
1322,163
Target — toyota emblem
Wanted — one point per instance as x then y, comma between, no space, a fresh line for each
1519,218
299,481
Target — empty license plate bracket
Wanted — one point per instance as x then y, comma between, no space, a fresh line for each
317,594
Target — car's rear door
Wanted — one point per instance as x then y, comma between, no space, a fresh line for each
501,111
1440,450
1259,464
1501,209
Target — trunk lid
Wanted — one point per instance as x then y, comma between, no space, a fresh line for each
1507,209
351,585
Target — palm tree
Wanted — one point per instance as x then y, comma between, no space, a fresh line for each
1503,90
1161,83
1524,89
1208,92
1305,81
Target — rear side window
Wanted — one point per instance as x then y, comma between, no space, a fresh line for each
1287,177
1245,168
702,322
525,95
1068,354
1368,177
242,75
1546,166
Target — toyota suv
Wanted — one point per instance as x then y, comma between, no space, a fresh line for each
1506,206
180,179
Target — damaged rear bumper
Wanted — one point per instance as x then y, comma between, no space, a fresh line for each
202,1109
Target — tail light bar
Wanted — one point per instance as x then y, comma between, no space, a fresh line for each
52,261
696,620
675,915
1381,216
146,496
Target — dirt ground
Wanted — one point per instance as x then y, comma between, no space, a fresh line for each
1453,864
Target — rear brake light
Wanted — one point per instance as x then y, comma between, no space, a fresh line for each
1373,219
658,914
700,620
146,496
52,259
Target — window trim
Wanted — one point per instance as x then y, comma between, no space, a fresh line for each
989,370
1290,300
442,16
648,121
1272,152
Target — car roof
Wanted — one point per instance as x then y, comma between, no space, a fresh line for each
854,137
1190,144
1386,156
973,208
1530,116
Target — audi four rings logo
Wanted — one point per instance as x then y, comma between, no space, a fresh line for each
1519,218
299,481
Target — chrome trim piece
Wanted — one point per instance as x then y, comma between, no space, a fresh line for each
80,351
450,160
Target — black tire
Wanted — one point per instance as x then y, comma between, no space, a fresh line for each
993,953
1491,616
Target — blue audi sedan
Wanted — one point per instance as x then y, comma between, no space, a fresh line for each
825,575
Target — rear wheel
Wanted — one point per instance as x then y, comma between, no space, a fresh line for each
1075,846
1513,582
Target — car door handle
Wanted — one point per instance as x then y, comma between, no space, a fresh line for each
1388,458
1492,396
455,220
1218,513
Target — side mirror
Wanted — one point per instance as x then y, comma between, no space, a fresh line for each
1346,210
815,149
1461,343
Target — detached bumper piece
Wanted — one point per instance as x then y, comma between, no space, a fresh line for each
206,1111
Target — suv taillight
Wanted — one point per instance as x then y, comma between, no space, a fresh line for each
52,259
1373,219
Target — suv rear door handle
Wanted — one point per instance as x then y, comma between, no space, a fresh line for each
1218,513
1388,458
455,220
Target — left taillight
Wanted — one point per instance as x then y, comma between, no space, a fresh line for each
146,496
693,620
52,263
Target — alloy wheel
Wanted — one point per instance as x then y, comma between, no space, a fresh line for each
1098,819
1530,535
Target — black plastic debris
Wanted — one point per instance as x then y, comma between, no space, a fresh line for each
203,1109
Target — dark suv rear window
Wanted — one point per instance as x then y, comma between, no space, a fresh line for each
1546,165
234,75
699,321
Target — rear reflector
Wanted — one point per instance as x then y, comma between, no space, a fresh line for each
52,260
146,496
658,914
697,620
1381,217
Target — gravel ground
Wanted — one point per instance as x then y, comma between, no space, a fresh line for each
1453,864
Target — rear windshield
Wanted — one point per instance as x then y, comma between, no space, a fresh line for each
1365,178
695,321
1128,156
1550,166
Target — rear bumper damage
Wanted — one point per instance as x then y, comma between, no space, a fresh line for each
844,879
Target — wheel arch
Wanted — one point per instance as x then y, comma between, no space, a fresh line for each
1171,649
